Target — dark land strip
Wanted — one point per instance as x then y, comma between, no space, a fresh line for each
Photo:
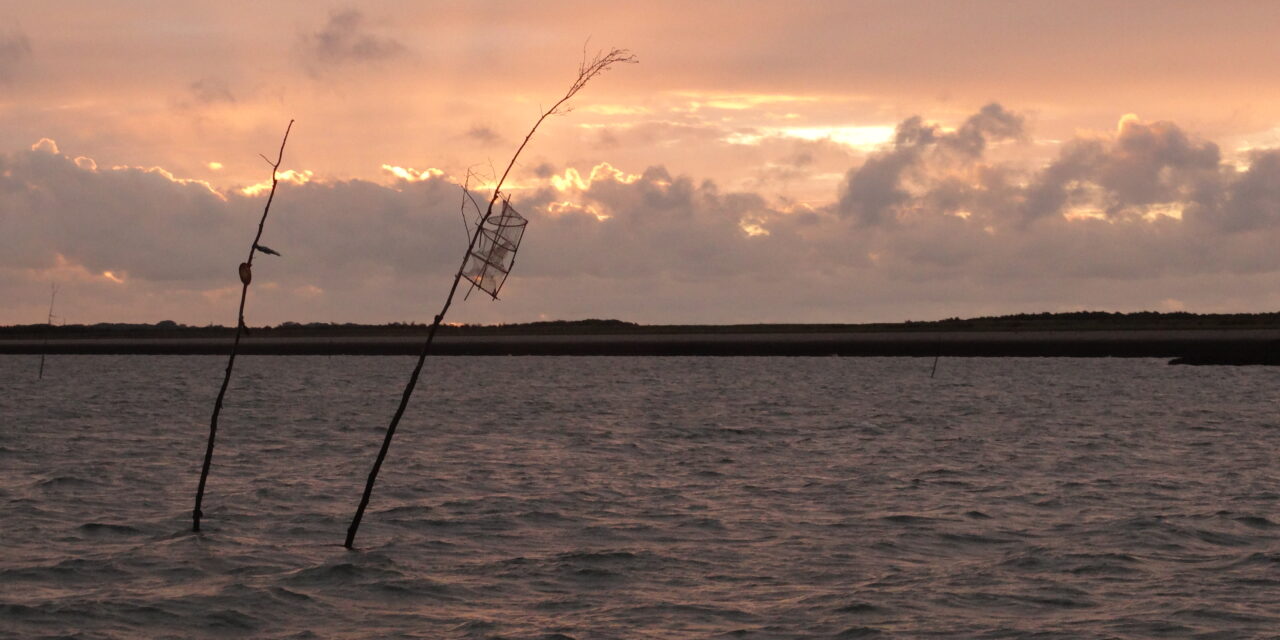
1206,346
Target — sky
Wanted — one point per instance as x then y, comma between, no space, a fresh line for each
844,161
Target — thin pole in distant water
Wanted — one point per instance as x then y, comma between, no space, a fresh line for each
246,275
586,71
53,292
936,354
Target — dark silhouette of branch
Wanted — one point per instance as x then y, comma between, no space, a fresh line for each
246,275
587,70
53,293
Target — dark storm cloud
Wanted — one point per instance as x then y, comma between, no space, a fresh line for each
346,39
14,48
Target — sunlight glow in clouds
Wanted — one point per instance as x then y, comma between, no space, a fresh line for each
856,137
603,171
288,175
790,161
863,138
568,206
410,174
740,102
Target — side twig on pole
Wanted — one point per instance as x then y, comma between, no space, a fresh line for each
587,70
246,275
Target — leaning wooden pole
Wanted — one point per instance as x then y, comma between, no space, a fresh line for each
246,275
53,293
586,71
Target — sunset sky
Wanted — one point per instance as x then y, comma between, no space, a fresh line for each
764,162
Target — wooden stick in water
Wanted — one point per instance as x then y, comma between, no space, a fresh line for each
586,71
53,293
246,275
936,354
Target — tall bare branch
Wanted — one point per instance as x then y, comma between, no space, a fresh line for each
587,70
246,275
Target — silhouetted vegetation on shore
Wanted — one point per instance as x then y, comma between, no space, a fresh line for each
1072,321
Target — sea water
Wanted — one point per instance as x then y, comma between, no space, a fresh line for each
586,498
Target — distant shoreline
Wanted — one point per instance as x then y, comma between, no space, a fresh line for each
1216,345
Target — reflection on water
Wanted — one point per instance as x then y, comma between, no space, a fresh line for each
641,497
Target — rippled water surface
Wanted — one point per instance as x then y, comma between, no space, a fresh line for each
642,498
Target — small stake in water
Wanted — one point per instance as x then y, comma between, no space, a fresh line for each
246,276
53,293
936,354
487,260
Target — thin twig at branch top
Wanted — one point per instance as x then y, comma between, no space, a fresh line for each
246,275
587,70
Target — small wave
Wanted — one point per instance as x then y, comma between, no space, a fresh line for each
341,573
231,620
704,523
860,608
405,511
563,604
975,538
104,529
598,556
413,588
1219,615
696,611
906,518
1257,522
13,611
475,626
286,594
994,601
61,482
72,571
1114,564
595,573
1219,538
860,632
544,516
1034,561
1258,559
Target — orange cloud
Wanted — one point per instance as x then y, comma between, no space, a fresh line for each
296,177
603,171
409,174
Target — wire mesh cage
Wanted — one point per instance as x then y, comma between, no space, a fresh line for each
495,251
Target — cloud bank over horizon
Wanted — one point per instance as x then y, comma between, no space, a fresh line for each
937,221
